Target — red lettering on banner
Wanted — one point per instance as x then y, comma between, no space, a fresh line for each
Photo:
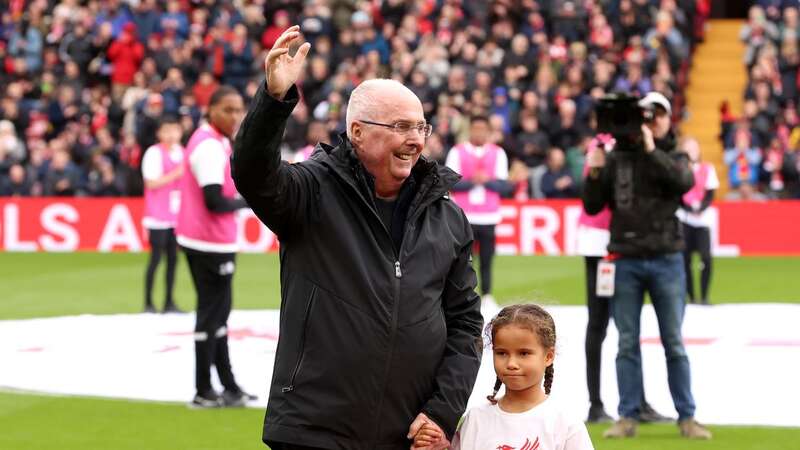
528,228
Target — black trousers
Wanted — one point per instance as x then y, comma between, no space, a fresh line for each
212,274
485,237
162,242
599,315
698,239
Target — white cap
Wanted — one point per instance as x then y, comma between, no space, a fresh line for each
655,98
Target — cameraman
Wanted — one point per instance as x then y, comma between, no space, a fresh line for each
642,181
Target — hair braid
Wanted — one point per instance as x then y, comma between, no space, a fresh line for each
548,379
497,385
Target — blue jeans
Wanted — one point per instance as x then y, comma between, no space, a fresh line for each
664,278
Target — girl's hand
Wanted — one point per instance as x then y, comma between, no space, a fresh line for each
427,436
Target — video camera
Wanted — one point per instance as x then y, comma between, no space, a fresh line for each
622,116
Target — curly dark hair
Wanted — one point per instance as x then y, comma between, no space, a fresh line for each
530,316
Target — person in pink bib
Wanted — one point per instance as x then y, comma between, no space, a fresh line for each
162,168
317,132
207,234
696,219
484,168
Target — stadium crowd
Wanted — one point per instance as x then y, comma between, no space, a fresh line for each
761,146
85,83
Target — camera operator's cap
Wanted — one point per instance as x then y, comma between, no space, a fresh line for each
655,98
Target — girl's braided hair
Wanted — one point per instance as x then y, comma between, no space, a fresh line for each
534,318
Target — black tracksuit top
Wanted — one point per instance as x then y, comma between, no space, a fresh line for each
370,334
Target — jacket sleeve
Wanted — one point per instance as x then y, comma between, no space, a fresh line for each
279,193
672,170
598,190
462,356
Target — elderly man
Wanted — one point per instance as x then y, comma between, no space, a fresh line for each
380,323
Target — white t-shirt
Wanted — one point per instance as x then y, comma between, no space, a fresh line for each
152,167
704,219
207,162
545,427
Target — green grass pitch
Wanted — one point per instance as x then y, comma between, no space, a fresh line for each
45,285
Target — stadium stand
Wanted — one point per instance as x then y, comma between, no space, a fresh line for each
85,82
761,138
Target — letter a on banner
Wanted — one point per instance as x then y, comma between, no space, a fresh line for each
119,231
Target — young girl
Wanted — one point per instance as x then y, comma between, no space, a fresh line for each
523,339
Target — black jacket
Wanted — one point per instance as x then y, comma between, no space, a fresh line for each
369,336
643,191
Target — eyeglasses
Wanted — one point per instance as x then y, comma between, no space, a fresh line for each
425,129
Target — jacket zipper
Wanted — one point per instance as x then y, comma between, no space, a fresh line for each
398,274
311,296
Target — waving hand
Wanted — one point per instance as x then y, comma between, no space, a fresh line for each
281,69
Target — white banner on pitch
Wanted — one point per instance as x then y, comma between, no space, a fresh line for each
752,350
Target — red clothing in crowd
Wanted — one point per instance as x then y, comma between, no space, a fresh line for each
271,35
126,54
203,91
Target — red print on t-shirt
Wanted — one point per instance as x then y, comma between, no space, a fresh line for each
526,446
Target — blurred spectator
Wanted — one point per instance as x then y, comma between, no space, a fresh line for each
535,68
531,143
280,22
664,37
557,181
434,149
317,132
172,90
12,149
125,54
16,183
63,109
62,177
756,33
146,17
76,47
103,179
776,169
204,88
633,81
25,47
174,21
567,131
743,162
148,120
238,59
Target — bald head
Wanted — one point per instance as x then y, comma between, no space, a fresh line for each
378,99
387,152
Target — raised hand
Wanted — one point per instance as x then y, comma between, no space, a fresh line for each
282,70
649,141
596,158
